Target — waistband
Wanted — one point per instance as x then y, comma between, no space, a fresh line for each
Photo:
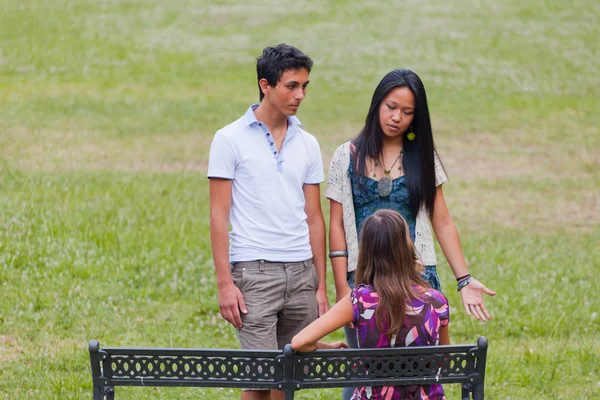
263,263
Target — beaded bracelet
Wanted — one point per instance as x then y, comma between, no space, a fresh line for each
338,253
464,283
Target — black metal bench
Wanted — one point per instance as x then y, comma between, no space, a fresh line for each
288,370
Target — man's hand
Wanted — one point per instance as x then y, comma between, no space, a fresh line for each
231,302
322,300
472,299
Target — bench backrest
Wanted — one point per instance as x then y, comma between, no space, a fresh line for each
288,370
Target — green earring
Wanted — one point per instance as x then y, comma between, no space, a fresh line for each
411,135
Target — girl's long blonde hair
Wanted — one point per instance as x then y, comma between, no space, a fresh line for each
387,260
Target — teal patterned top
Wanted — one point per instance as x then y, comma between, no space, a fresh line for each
367,200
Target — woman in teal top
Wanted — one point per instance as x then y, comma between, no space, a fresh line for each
367,200
392,163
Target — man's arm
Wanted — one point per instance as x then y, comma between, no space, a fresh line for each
316,231
231,300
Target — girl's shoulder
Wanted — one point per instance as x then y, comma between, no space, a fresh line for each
363,293
432,296
363,288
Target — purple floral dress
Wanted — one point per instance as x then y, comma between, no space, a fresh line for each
422,322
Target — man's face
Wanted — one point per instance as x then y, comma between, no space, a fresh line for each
289,92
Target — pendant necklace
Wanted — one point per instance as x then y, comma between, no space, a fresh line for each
385,184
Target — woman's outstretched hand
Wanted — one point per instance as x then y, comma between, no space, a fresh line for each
472,299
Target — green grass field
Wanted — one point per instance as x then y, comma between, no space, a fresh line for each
107,110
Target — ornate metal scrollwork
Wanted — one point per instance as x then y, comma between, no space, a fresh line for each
212,368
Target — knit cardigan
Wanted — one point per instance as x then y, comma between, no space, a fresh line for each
339,189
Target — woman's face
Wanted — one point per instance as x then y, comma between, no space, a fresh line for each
397,111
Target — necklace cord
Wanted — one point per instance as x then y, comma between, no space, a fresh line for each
392,167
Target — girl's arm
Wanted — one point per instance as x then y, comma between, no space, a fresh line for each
447,236
444,335
339,315
329,346
337,242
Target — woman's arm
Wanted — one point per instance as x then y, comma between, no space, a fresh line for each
339,315
337,242
444,335
447,236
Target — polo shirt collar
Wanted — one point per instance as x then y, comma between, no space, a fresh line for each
250,118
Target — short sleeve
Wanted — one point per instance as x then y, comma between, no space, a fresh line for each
364,302
336,176
315,172
441,307
440,174
357,304
221,159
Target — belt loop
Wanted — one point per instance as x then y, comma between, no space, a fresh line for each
308,263
261,265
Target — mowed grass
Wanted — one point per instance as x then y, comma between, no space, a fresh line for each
107,110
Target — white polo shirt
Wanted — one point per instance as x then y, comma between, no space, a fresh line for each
267,216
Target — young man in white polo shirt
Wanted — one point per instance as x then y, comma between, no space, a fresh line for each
265,172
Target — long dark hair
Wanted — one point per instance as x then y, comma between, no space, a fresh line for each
418,159
387,260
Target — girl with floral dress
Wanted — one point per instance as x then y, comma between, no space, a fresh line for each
390,306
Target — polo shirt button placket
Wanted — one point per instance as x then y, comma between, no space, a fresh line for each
271,143
273,149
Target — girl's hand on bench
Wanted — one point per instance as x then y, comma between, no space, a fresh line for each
334,345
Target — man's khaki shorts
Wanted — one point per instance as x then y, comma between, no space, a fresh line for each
280,298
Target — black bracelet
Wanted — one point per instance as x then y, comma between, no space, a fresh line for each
338,253
463,277
464,283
